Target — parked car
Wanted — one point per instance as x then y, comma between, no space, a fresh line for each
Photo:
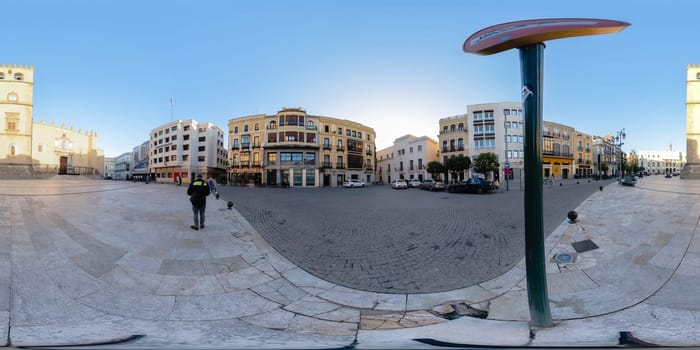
399,184
353,183
432,185
473,185
414,183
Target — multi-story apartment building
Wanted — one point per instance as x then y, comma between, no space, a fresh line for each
139,161
557,150
407,158
293,148
186,148
607,155
109,168
497,128
28,148
583,154
453,139
122,166
661,162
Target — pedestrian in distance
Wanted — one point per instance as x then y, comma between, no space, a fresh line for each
212,184
198,191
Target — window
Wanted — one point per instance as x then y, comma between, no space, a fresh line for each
478,115
186,128
460,127
509,154
19,76
410,150
488,115
347,132
410,164
174,128
508,138
235,130
12,96
245,128
507,125
310,125
257,127
2,75
460,143
420,163
420,148
359,134
340,131
452,128
444,130
202,138
326,128
41,148
340,143
516,154
13,150
273,125
201,158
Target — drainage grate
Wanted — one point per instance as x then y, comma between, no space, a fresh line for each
564,258
584,246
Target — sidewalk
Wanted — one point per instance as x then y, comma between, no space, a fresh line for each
95,261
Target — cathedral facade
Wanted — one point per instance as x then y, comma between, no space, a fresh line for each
30,149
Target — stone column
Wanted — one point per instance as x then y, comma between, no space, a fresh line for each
691,170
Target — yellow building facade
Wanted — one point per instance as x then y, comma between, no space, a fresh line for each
583,154
29,149
557,150
294,148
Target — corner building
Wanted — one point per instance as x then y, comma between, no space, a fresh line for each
293,148
185,148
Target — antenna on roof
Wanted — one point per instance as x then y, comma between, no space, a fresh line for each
172,107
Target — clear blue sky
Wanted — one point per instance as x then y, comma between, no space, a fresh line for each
397,66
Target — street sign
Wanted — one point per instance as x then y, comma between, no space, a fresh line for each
506,165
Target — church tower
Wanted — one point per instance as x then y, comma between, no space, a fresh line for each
16,105
691,170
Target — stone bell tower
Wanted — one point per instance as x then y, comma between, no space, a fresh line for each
691,170
16,105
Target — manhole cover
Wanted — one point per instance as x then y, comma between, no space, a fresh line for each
584,246
564,258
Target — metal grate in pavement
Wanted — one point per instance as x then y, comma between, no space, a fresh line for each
584,246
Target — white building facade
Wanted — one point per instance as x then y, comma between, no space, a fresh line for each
407,158
662,162
122,166
109,168
497,128
186,148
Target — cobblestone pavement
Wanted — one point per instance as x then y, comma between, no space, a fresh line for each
400,241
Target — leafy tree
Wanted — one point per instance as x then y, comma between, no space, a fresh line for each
435,168
457,165
604,168
485,162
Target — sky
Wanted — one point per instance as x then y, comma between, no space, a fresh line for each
396,66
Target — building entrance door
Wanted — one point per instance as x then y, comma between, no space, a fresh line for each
63,166
326,180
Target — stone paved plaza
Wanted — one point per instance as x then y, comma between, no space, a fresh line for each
401,241
88,261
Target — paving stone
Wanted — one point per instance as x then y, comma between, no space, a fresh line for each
303,324
220,306
275,319
311,306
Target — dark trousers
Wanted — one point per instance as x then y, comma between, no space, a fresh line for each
198,215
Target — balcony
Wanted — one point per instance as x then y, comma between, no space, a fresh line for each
326,165
340,149
444,150
557,154
326,147
256,145
340,166
245,144
369,153
369,168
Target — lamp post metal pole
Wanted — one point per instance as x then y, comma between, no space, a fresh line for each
531,67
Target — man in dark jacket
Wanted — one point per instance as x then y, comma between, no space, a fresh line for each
198,192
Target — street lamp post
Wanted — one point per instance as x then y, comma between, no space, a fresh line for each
529,37
619,138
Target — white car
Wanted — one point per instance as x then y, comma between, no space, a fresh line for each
414,183
353,183
399,184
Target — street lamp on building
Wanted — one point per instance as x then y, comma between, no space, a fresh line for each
618,139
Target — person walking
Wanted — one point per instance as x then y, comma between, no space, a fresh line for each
212,184
198,191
